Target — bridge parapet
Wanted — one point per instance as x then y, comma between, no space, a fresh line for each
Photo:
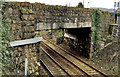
60,14
66,17
56,14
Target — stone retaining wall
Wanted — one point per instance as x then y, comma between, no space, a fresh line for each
26,15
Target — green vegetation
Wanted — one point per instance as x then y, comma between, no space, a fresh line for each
54,34
59,35
80,5
23,10
6,36
0,40
104,57
96,33
30,11
27,11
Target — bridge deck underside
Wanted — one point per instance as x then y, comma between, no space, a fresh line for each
50,26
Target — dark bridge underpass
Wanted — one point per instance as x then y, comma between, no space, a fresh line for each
78,40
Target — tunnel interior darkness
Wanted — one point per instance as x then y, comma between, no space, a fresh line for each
81,45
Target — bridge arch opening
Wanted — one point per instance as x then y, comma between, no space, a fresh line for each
75,40
78,41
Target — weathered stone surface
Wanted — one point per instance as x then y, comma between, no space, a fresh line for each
28,23
27,18
20,49
24,11
29,28
24,17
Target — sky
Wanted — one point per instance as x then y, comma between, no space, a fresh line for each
87,3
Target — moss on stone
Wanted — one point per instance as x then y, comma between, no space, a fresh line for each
26,11
30,11
24,17
23,10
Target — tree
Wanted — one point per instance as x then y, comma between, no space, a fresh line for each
80,5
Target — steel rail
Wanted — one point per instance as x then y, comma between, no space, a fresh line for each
104,74
55,62
68,60
46,68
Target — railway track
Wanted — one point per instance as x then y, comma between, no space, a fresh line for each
59,62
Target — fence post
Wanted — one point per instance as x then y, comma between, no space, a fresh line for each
38,54
25,67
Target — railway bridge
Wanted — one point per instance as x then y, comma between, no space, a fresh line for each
75,24
30,19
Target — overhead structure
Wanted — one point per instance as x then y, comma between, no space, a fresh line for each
116,28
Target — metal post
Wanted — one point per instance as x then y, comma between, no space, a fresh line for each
87,4
83,3
118,11
117,16
25,67
114,12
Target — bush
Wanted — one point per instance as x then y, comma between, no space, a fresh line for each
59,40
